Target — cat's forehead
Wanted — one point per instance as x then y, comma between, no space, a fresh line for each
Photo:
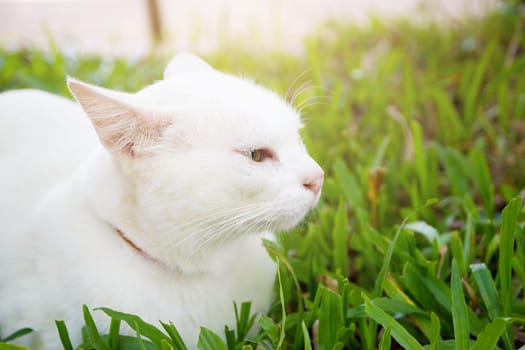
223,101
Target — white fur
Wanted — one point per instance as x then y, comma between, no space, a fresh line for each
167,167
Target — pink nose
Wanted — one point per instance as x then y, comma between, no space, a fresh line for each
314,182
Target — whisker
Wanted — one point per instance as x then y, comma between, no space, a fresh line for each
221,225
232,230
286,95
216,220
224,226
303,87
232,227
303,90
311,101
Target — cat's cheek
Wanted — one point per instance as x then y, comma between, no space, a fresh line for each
250,192
258,186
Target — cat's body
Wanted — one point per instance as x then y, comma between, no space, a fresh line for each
160,215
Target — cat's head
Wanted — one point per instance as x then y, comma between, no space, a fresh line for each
210,156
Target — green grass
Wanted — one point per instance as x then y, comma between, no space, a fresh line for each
419,240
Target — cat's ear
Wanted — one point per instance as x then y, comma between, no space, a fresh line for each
184,62
121,126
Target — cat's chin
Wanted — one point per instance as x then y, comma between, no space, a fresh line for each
291,221
295,218
315,200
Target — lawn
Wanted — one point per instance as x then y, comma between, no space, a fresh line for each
419,239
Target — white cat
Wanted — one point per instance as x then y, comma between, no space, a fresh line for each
161,215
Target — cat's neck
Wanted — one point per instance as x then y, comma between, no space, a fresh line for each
142,254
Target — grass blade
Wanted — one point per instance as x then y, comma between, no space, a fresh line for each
306,337
146,329
455,166
487,289
386,340
458,252
330,318
208,340
400,334
178,343
387,305
270,328
490,335
340,237
435,330
93,335
451,119
380,280
423,228
243,320
17,334
64,335
459,310
475,84
349,184
164,345
229,335
140,342
113,336
420,156
509,225
4,346
481,175
282,334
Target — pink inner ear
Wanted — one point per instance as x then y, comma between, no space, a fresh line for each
147,131
130,130
120,126
158,120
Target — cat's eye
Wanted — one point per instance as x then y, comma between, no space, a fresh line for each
259,154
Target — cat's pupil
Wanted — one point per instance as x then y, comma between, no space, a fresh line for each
257,155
